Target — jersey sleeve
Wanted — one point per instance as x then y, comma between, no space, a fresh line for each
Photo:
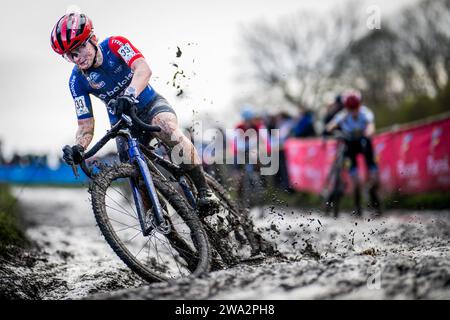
368,114
123,48
82,101
338,118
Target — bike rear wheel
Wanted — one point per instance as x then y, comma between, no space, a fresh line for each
333,199
336,183
182,250
232,230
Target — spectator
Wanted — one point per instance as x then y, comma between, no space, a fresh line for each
285,123
304,126
333,109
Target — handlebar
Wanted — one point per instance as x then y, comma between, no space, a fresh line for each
340,135
112,133
142,124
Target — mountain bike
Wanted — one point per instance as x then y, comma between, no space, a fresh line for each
147,222
152,221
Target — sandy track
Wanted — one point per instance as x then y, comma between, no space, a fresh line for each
73,259
403,255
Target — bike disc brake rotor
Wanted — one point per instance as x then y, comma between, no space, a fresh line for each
164,228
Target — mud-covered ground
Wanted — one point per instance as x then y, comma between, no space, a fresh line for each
69,258
402,255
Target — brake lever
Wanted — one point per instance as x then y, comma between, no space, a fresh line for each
127,119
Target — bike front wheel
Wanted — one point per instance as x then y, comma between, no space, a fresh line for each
179,250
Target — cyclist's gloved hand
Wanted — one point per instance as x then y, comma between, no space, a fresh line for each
122,104
73,155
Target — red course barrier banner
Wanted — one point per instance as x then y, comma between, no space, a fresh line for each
410,160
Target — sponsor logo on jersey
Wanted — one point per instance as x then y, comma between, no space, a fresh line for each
72,85
92,77
80,106
120,86
117,42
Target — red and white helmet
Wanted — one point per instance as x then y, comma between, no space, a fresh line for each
352,99
70,31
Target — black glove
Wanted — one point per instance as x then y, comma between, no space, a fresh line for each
73,155
122,105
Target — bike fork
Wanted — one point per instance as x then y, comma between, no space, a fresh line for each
139,205
135,156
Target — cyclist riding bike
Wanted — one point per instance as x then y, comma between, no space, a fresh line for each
356,122
117,73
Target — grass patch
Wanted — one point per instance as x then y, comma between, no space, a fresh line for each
426,201
10,233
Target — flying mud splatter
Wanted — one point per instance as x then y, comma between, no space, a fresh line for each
181,76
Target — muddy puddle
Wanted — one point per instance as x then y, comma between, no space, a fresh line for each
402,255
70,258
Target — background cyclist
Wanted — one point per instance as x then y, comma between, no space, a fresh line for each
356,121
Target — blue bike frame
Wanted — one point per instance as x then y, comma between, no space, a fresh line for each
135,156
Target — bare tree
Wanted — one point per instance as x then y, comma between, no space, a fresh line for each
306,55
424,30
368,64
408,57
295,58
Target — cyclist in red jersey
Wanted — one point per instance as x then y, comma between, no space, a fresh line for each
116,71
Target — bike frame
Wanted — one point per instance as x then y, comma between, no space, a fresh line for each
175,170
338,163
340,158
137,158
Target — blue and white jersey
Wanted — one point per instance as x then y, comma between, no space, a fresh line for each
352,123
109,80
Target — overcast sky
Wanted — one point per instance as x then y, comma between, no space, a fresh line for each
37,113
